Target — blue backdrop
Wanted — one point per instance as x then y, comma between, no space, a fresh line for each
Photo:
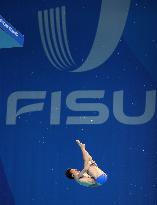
35,153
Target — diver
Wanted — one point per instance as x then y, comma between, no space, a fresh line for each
91,175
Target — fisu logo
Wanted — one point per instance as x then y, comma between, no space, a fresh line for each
53,32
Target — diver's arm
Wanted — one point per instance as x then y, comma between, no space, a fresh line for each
86,167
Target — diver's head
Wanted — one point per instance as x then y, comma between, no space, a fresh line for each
71,173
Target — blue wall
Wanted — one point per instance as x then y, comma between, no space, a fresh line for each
35,154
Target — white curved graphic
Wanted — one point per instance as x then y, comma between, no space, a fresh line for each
60,36
65,34
43,39
54,37
111,24
112,20
52,27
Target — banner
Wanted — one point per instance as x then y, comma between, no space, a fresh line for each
9,36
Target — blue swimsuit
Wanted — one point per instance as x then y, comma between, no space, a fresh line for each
101,179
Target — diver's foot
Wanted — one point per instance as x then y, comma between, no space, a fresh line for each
80,144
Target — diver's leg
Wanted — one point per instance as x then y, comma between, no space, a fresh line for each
93,169
86,156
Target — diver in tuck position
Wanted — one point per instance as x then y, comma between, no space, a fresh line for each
91,175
